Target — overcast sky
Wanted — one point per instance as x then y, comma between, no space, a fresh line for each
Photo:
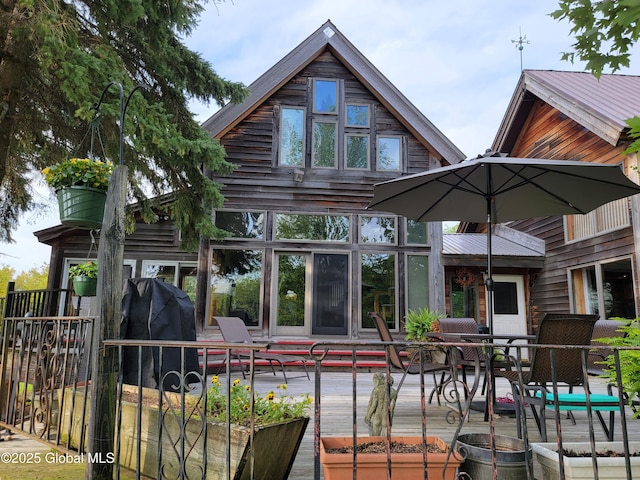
457,61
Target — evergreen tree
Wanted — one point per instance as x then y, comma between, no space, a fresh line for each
57,57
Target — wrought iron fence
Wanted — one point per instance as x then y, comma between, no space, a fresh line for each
46,364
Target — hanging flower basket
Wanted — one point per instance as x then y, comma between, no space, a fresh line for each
81,186
85,286
81,207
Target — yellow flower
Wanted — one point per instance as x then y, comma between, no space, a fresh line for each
271,396
215,379
236,382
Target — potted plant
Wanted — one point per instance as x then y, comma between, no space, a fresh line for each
577,459
417,324
407,459
280,422
85,278
81,187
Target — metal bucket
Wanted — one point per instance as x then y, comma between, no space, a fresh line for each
511,458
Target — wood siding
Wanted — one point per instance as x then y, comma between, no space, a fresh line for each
259,183
548,133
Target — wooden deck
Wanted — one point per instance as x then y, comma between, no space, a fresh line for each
336,414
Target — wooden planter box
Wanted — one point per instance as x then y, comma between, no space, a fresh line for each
373,466
609,468
275,445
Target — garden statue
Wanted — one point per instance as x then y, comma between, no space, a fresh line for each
376,416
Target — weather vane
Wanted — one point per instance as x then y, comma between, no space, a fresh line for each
520,43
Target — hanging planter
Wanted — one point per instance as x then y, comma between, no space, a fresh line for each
81,186
85,279
81,207
85,286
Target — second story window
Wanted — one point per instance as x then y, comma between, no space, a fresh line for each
325,96
389,153
292,137
324,144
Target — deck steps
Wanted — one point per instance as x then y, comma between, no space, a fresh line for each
336,359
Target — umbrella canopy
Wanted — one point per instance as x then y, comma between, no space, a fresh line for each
496,189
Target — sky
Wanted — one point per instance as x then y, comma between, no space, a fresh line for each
458,62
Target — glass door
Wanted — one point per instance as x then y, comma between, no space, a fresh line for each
311,294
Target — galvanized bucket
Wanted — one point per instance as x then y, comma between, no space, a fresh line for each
511,458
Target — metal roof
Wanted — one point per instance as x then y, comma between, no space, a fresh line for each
600,105
476,244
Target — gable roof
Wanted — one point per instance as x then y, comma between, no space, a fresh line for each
600,105
329,37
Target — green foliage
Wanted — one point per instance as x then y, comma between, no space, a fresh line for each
33,279
6,276
270,408
605,31
57,59
87,269
419,322
79,171
629,359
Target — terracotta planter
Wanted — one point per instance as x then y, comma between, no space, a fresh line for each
81,207
85,286
373,466
275,445
609,468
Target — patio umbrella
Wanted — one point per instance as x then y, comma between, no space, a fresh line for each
496,189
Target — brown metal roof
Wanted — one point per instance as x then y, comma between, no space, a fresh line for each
601,105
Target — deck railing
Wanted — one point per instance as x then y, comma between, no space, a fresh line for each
46,365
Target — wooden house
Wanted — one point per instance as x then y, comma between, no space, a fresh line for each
305,257
590,260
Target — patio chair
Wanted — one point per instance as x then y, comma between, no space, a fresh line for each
234,330
413,367
602,329
468,357
533,387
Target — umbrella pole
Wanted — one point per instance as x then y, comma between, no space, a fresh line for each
488,283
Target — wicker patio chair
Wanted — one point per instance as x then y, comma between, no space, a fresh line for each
469,357
562,366
602,329
234,330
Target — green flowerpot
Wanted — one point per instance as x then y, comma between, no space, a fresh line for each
81,207
85,286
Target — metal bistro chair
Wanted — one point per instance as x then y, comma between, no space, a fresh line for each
234,330
560,366
412,367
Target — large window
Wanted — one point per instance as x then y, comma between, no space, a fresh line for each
378,294
605,289
292,137
606,218
328,228
378,229
417,281
336,133
241,224
181,274
234,290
